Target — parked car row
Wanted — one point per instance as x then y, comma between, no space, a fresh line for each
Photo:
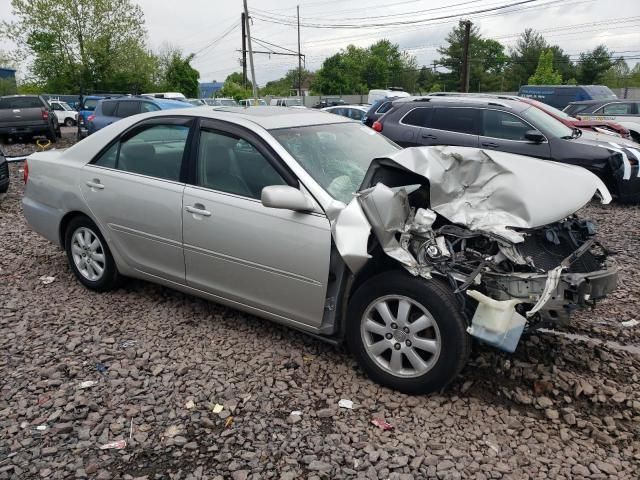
516,126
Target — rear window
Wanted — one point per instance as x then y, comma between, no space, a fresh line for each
127,108
108,108
20,102
461,120
577,108
385,107
90,104
418,117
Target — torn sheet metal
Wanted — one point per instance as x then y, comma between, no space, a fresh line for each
492,191
485,191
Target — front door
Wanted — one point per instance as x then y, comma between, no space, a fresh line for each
273,260
505,132
134,190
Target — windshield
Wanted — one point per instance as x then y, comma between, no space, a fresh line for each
546,123
336,155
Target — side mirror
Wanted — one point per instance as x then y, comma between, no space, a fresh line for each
286,197
534,136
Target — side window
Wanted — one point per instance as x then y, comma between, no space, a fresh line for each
356,114
461,120
56,106
156,151
230,164
503,125
109,108
385,107
127,108
149,107
108,157
418,117
618,109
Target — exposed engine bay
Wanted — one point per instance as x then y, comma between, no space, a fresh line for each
471,225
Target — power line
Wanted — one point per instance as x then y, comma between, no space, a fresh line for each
402,22
228,32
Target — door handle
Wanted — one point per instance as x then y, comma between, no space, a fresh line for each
429,136
198,209
95,183
490,145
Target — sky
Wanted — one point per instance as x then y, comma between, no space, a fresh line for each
211,28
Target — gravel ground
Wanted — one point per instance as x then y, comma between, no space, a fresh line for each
559,407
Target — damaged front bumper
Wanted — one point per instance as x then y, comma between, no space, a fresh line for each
500,318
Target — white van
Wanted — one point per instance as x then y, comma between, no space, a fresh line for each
375,95
294,102
169,95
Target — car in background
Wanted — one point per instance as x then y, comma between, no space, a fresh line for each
168,95
86,107
195,102
560,96
295,216
378,94
329,102
27,116
67,116
251,102
600,126
294,102
516,127
111,110
221,102
4,174
377,109
624,112
354,112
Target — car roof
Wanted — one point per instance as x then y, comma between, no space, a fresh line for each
269,117
469,100
602,101
347,105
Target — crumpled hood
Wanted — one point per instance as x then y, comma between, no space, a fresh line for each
482,190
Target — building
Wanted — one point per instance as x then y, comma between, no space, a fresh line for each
209,89
7,81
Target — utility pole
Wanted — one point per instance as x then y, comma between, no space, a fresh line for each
244,50
464,80
299,56
253,71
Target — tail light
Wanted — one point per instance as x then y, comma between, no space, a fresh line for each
377,126
25,176
91,118
45,114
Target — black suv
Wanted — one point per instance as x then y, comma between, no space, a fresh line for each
515,127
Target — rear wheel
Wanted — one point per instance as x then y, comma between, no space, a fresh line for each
407,333
68,122
89,255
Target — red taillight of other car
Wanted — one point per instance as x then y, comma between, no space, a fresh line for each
25,176
45,114
377,126
90,118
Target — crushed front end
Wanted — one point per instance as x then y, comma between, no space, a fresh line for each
513,256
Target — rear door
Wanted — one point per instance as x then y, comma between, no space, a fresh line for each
134,190
458,126
505,132
237,249
410,128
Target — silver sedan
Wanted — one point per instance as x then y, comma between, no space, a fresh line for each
319,223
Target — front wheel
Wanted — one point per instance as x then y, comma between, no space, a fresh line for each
407,333
68,122
89,256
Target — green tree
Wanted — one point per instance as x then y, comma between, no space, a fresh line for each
177,74
425,80
286,85
233,88
81,45
486,56
593,65
523,58
356,70
236,77
618,75
545,74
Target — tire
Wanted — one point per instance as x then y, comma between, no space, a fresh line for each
432,308
68,122
52,136
635,137
100,257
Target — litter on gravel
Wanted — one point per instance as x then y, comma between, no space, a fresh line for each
46,280
378,422
343,403
87,384
630,323
117,445
190,405
217,408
